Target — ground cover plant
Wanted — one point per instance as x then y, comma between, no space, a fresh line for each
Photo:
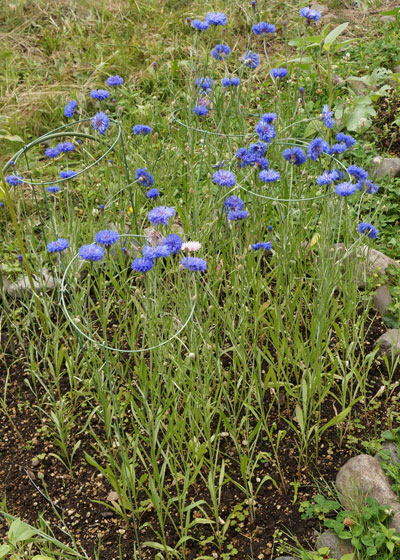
188,351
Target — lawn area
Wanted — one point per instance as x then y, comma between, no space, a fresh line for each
199,280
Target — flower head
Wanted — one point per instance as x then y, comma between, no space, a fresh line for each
346,138
53,189
269,176
220,52
91,252
316,147
173,242
230,82
338,148
235,215
328,177
65,147
234,203
58,245
153,193
213,18
326,116
266,246
142,265
115,81
269,117
200,25
263,28
224,178
67,174
142,129
251,59
143,177
200,110
191,246
371,188
265,131
51,153
346,189
100,122
204,83
100,94
69,109
279,73
106,237
295,156
368,229
357,172
194,264
161,214
310,15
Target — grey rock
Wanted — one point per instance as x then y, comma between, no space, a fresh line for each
363,476
388,19
386,167
382,299
320,8
43,283
393,451
389,343
337,547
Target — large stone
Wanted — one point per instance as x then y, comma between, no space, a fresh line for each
370,261
337,547
389,344
386,167
382,300
392,449
41,284
363,476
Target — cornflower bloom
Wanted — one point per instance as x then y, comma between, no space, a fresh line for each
193,263
100,94
173,242
346,138
279,73
200,110
234,203
263,28
230,82
213,18
326,116
204,83
51,153
235,215
251,59
153,193
224,178
295,156
57,246
100,122
368,229
67,174
69,109
161,214
316,147
346,189
220,52
144,177
53,189
142,129
266,246
106,237
269,176
115,81
310,15
200,25
91,252
142,265
65,147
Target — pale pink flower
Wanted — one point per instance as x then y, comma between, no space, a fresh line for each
191,246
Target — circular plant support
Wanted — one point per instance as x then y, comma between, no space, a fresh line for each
117,312
60,132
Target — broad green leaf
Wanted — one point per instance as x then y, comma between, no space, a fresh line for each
393,12
20,531
41,557
5,135
4,550
333,35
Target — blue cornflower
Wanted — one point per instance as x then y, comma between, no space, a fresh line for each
234,203
115,81
346,138
100,122
368,229
153,193
224,178
67,174
1,204
269,117
142,265
204,83
295,156
69,109
193,263
316,147
100,94
142,129
371,188
173,242
200,110
310,15
53,189
328,177
57,246
262,163
357,172
235,215
251,59
213,18
161,215
144,177
219,165
255,153
230,82
106,237
263,27
339,148
346,189
269,176
267,246
52,153
265,131
14,180
241,156
279,73
326,116
91,252
161,251
200,25
65,147
220,52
